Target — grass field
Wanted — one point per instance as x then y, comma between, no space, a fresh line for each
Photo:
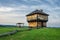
7,29
34,34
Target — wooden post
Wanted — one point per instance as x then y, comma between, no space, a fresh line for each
37,21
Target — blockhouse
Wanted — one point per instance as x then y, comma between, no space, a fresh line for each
37,19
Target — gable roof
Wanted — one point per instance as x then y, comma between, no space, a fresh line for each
37,12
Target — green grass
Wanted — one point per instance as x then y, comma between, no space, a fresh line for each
35,34
8,29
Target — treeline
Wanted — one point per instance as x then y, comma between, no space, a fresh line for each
7,26
12,26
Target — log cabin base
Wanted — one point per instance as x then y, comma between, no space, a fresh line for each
37,24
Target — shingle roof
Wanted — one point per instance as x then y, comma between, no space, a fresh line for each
37,12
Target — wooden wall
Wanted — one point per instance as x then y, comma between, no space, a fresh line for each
32,24
39,24
43,16
32,17
44,24
39,16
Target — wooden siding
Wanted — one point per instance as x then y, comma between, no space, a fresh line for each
43,16
32,24
39,17
44,23
32,17
39,24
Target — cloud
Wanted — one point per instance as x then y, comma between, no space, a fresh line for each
12,16
32,0
3,9
14,11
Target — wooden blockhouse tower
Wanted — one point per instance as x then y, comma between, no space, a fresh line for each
37,19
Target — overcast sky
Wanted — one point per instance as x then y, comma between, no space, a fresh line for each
13,11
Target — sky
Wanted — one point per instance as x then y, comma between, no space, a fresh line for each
14,11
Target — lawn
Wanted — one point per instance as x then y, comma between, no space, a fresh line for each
35,34
8,29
